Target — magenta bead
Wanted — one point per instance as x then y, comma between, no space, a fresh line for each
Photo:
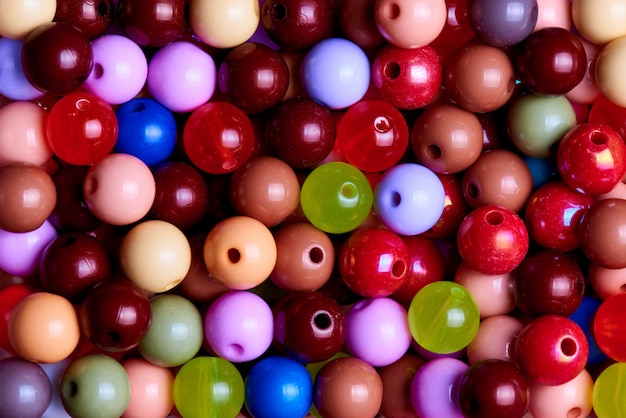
435,388
20,252
239,326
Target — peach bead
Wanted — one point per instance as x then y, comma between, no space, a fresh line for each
586,92
492,293
599,21
151,389
410,23
495,339
23,135
44,328
155,255
607,282
224,23
554,13
240,252
572,399
119,189
610,71
19,17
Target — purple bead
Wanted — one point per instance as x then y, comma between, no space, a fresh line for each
13,83
435,388
120,69
502,23
181,76
20,252
378,331
239,326
25,390
409,199
336,73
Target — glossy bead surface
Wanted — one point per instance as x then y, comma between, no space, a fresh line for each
584,316
396,19
21,251
607,327
454,209
357,23
407,78
551,350
493,293
495,339
22,133
115,315
503,236
587,14
21,18
599,230
151,389
435,388
494,388
152,22
296,24
10,296
502,23
608,392
397,378
71,211
574,398
93,18
13,82
607,73
25,390
57,58
224,24
373,262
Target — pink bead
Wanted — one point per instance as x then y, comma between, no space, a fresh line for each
587,91
120,69
181,76
571,399
378,331
492,293
20,252
119,189
605,281
397,21
151,389
239,326
495,339
22,134
554,13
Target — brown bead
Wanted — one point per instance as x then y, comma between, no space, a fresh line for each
602,233
397,378
27,197
498,177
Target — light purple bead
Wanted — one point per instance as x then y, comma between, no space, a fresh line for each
435,388
239,326
181,76
377,331
409,199
13,83
20,252
120,69
336,73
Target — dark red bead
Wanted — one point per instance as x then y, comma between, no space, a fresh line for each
10,296
493,388
92,17
296,24
153,22
457,31
606,112
454,210
309,326
357,22
549,282
56,58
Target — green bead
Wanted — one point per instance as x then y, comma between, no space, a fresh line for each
336,197
537,123
609,392
443,317
208,387
95,386
175,334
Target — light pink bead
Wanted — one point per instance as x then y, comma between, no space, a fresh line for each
150,389
586,92
492,293
554,13
495,339
22,134
410,23
569,400
606,282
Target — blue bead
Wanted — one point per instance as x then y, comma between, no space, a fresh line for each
13,82
584,316
147,130
278,387
542,170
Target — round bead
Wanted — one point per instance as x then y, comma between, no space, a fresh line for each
608,392
495,339
151,389
502,23
22,133
607,70
435,388
71,212
286,24
240,252
397,378
607,327
19,19
396,21
599,22
357,24
93,18
336,73
224,24
491,292
152,22
571,398
20,252
587,92
13,82
454,209
10,296
25,390
44,328
601,241
119,189
584,317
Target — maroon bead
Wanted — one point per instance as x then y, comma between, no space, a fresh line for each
492,240
548,282
152,22
457,31
591,157
374,262
553,214
551,350
309,326
493,388
71,212
300,132
296,24
92,17
115,315
454,210
357,22
551,61
397,378
56,58
182,195
72,264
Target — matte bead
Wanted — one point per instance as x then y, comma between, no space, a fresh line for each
151,389
20,252
19,19
495,339
493,293
223,24
599,22
502,23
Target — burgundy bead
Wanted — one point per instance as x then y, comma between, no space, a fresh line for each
454,210
357,22
57,58
296,24
309,326
71,212
549,282
397,378
153,22
73,263
457,31
92,17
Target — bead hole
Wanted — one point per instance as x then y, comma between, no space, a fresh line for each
233,255
574,413
279,11
322,320
98,71
316,255
83,104
348,191
91,185
137,107
392,11
494,218
622,288
398,268
396,199
433,152
472,191
473,406
103,9
381,124
511,85
392,70
70,389
114,337
234,350
569,347
599,138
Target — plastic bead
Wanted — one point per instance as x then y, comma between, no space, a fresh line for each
606,329
435,388
358,24
10,296
13,82
457,31
502,23
224,24
93,18
19,18
571,398
396,19
599,22
495,339
71,211
20,252
296,24
199,285
608,392
151,389
554,13
491,292
25,390
584,316
599,231
152,22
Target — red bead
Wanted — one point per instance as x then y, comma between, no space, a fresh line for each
356,19
218,138
457,31
601,231
549,282
609,329
551,61
397,378
92,18
10,296
551,350
454,210
407,78
606,112
492,240
152,22
71,212
372,135
493,388
592,158
309,326
56,58
374,262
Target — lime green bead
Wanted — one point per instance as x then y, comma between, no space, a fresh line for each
336,197
208,387
609,392
443,317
